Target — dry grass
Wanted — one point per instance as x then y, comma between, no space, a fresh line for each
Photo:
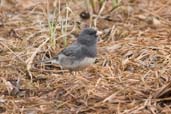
132,73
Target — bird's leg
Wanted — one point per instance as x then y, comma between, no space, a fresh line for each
71,72
79,72
77,75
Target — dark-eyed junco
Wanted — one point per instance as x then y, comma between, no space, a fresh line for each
79,54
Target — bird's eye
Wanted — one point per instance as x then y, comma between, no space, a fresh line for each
92,32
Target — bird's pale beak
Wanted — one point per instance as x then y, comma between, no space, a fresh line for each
99,33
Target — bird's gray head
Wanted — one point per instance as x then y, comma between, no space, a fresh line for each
88,37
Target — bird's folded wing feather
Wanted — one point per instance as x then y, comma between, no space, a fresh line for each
74,51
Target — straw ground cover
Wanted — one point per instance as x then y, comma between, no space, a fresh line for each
132,72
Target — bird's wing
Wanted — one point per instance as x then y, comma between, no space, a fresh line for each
74,51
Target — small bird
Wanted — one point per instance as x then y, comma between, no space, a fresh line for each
79,54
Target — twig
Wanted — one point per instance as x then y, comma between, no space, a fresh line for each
102,8
12,52
30,60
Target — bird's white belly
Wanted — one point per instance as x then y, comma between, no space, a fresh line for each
82,64
69,63
87,61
